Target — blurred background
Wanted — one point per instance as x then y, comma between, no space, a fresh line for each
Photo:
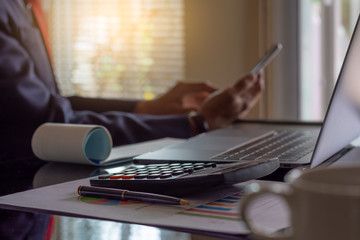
140,48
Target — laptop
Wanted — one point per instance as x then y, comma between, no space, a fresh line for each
310,144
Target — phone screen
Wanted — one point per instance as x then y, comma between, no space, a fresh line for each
270,55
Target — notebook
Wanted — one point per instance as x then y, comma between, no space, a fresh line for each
330,140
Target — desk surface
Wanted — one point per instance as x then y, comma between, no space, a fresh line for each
20,175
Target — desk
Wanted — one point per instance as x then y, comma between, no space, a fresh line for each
19,175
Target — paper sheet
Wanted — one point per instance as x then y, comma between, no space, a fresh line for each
132,150
216,210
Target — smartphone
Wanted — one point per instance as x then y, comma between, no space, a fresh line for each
270,55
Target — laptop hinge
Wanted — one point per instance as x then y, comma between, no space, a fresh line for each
335,157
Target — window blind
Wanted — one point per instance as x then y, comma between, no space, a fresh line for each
116,48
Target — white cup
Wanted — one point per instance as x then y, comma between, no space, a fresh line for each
324,204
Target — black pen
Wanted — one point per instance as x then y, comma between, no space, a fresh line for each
121,194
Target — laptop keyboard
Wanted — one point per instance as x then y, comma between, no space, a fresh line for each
286,145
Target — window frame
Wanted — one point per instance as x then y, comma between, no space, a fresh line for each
283,77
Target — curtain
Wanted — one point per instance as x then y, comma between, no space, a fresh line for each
116,48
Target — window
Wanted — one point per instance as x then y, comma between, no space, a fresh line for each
116,48
326,28
315,35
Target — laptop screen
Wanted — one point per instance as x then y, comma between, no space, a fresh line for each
342,121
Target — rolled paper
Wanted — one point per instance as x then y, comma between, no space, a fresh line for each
75,143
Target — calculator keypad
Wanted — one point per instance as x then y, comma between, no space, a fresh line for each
158,171
180,179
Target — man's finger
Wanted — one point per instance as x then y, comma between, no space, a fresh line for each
245,83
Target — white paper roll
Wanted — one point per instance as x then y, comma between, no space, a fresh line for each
75,143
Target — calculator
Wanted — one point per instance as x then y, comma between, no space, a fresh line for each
182,178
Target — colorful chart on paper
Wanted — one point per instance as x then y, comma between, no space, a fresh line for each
226,208
104,201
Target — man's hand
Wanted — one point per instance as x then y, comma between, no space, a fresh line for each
183,98
224,106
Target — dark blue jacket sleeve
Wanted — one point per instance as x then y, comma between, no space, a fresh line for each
29,95
100,105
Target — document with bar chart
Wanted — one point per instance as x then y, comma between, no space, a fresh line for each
223,214
224,209
215,210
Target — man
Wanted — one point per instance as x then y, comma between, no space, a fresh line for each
29,96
